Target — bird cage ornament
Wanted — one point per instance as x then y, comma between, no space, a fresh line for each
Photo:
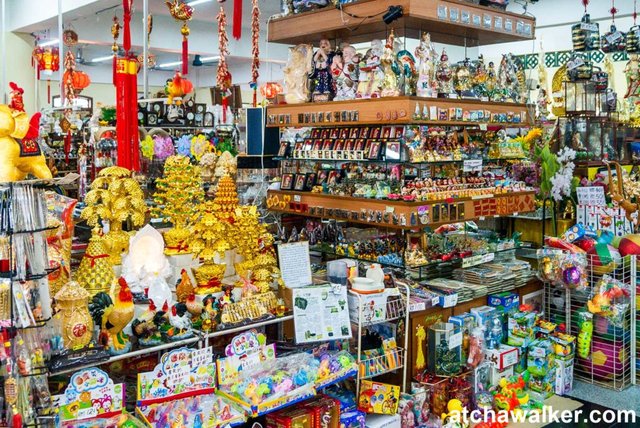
585,35
613,40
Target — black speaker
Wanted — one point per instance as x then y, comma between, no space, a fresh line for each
256,128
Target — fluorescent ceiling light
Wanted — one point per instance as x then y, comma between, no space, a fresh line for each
102,58
211,58
170,64
197,2
50,42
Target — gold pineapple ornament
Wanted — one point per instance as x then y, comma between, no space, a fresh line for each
178,194
77,325
115,197
95,273
226,199
210,244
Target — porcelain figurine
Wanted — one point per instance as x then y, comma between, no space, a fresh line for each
491,84
632,74
463,83
444,75
296,74
322,78
480,77
389,65
371,75
426,55
346,78
408,72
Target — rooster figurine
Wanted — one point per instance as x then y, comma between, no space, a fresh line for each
180,321
178,87
147,326
113,313
184,288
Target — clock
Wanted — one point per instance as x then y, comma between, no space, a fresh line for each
143,105
208,119
190,118
141,117
201,108
198,119
190,104
157,107
152,119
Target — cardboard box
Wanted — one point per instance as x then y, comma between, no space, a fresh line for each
383,421
374,396
503,357
545,385
484,315
520,331
564,376
374,306
495,375
506,300
541,358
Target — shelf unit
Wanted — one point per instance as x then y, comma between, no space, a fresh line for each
393,111
450,22
377,308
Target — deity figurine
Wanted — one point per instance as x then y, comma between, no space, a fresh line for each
543,104
371,75
322,79
408,72
462,81
443,76
296,74
426,54
390,87
479,77
491,83
346,78
632,73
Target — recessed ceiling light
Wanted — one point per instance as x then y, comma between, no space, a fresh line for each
102,58
50,42
197,2
170,64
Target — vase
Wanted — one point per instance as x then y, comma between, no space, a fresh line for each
77,325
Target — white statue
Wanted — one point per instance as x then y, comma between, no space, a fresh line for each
426,55
346,75
371,75
296,74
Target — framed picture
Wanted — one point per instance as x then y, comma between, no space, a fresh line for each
349,144
322,176
374,150
333,177
317,145
359,144
344,133
310,180
208,119
335,133
287,182
375,133
386,132
364,132
284,149
353,133
327,145
315,133
325,133
198,119
392,150
339,144
399,132
535,299
299,182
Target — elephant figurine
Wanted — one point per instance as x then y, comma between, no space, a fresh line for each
20,153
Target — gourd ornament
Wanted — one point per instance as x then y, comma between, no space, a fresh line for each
20,154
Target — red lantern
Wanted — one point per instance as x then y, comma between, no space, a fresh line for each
46,59
79,80
270,90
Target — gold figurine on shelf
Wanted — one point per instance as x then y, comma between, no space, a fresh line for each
115,197
76,322
95,273
177,196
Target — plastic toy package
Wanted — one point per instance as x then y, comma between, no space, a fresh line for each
610,300
562,268
204,411
124,420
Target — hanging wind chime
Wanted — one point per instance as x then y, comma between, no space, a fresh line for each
613,40
255,49
223,78
632,41
126,82
181,11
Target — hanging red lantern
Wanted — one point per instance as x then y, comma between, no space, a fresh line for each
47,59
79,80
270,90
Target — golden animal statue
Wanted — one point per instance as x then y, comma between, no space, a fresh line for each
617,193
20,154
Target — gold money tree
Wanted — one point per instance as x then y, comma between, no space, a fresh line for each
115,197
178,194
210,244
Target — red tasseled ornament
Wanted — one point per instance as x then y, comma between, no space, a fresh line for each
185,55
127,5
237,19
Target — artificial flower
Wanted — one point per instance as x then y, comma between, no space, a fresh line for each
146,147
199,146
163,147
184,145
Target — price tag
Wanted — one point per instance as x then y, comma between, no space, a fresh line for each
516,214
472,165
483,126
435,301
297,198
481,218
449,300
455,340
575,63
612,38
589,26
389,209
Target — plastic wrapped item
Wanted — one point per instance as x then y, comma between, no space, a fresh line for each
632,40
124,420
201,411
613,41
585,35
610,300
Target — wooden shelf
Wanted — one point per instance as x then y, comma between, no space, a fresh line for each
418,16
479,207
391,111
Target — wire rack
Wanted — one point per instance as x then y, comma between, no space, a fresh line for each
610,357
390,361
375,311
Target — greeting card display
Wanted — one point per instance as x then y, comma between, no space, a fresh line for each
245,351
181,373
90,394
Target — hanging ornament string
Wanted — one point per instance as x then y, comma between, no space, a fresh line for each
585,3
613,12
237,19
223,78
127,5
182,12
115,32
255,50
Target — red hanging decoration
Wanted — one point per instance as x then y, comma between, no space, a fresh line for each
585,4
613,11
126,113
255,49
67,78
237,19
182,12
127,5
223,78
115,32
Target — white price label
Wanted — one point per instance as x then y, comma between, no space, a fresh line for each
614,37
589,26
483,126
450,300
435,301
297,198
575,63
477,260
455,340
472,165
389,209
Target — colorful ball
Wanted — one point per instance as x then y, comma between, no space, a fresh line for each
629,245
586,243
603,258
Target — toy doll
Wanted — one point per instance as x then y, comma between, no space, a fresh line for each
321,75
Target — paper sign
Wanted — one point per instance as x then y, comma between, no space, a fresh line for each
455,340
295,264
477,260
593,195
90,394
472,165
245,350
319,313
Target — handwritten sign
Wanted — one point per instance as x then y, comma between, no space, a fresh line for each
295,265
